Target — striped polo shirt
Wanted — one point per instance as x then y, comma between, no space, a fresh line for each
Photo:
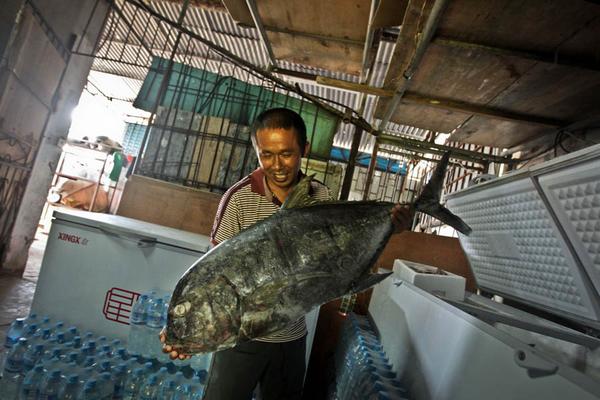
246,203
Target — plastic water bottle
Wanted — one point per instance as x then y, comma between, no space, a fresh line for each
31,319
77,342
197,388
149,389
119,376
167,389
50,386
30,386
88,350
44,322
58,327
70,369
183,392
52,364
50,354
137,323
163,376
201,362
133,385
132,364
104,366
105,385
29,331
71,332
13,371
120,354
16,330
70,389
86,374
90,391
87,337
104,354
50,349
153,326
61,337
32,356
90,361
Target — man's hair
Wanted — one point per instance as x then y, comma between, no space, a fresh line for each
280,118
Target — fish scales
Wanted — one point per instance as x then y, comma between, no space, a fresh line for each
276,271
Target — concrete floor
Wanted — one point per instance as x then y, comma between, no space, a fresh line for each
16,294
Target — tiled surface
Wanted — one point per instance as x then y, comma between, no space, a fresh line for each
516,248
16,294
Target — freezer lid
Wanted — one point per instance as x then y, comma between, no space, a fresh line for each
145,231
536,235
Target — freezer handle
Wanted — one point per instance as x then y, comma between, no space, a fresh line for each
142,240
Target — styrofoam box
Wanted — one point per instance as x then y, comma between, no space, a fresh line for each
432,279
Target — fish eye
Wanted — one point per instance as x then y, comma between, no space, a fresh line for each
181,309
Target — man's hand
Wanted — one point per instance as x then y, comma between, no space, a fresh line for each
402,217
167,348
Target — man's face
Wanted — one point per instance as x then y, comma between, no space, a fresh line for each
279,156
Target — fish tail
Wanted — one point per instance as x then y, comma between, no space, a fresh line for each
429,200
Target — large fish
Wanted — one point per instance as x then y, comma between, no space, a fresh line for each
277,270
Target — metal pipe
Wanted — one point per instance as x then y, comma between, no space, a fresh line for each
351,42
361,101
347,182
371,170
368,42
163,86
427,147
261,30
426,36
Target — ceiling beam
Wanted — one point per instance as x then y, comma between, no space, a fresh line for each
409,32
475,109
549,58
583,62
316,36
353,87
445,104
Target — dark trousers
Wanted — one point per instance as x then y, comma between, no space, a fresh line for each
278,367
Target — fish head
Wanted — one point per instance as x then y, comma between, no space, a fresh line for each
203,318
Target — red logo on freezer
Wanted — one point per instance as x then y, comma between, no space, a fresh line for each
72,238
118,304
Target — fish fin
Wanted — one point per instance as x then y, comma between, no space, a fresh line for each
432,192
368,281
300,196
428,201
265,293
443,214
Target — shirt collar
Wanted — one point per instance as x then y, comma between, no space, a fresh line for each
258,184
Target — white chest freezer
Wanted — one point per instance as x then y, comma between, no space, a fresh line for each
96,265
535,242
443,353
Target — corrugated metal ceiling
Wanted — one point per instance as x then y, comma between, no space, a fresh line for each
134,58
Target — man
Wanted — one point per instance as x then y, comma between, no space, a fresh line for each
276,361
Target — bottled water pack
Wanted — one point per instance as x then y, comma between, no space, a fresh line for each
362,370
45,359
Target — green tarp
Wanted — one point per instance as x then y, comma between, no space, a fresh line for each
206,93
